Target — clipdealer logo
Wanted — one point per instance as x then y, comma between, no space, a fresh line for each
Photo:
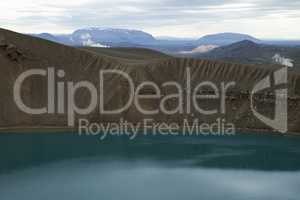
280,122
56,91
61,97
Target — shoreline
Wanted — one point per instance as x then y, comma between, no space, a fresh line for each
55,129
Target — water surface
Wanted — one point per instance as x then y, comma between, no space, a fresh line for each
68,166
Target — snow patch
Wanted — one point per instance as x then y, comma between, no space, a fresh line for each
85,36
201,49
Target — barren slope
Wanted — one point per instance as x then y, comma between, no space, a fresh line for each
20,52
130,55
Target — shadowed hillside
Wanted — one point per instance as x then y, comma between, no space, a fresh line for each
130,55
20,52
248,52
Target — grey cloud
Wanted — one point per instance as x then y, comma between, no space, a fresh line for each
156,13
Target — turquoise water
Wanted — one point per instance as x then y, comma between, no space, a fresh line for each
68,166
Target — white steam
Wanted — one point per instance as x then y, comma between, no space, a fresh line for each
282,60
87,41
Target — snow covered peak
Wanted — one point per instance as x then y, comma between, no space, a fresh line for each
112,35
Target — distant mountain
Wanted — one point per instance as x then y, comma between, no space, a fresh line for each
100,37
291,43
222,39
248,52
135,38
110,35
62,39
170,38
46,36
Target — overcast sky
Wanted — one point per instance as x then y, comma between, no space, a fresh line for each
189,18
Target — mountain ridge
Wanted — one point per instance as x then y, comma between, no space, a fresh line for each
117,37
249,52
226,38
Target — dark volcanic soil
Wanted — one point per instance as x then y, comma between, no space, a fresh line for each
20,52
